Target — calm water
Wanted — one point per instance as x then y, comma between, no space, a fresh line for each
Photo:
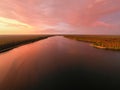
59,63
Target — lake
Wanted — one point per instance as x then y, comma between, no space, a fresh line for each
58,63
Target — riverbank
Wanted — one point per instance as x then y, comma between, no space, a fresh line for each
8,42
107,42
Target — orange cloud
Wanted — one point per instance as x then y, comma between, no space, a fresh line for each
13,26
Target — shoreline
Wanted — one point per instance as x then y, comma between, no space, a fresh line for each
12,45
104,48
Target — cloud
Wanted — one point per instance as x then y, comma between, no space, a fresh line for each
99,9
11,25
85,12
76,13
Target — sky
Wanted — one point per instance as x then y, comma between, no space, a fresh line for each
60,16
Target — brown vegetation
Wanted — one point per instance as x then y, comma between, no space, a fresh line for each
8,42
103,42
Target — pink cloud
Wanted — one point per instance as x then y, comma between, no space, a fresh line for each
86,13
102,24
99,9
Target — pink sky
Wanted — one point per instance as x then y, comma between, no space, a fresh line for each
62,16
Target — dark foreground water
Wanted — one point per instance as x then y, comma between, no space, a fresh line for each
58,63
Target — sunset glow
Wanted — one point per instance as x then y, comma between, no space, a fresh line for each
7,25
59,44
84,16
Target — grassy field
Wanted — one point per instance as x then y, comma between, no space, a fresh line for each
100,41
8,42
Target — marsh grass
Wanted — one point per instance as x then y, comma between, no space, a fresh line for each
102,42
8,42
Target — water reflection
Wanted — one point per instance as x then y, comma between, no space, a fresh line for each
50,62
